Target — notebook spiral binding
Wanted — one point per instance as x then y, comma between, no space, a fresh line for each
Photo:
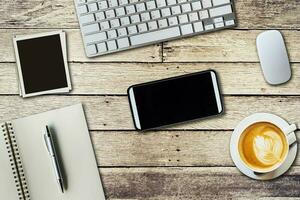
15,161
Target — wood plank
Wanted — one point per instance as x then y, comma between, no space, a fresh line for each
194,183
228,45
225,46
115,78
76,50
113,113
275,198
280,14
61,14
164,148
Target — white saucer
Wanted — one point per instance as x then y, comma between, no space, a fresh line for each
261,176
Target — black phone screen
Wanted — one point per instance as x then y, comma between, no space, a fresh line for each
175,100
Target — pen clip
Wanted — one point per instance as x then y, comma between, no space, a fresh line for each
47,139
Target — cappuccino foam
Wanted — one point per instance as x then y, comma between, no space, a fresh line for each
262,146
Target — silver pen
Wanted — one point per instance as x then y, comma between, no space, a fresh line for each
53,155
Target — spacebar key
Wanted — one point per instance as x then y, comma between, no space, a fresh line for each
155,36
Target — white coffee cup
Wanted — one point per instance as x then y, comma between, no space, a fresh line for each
285,127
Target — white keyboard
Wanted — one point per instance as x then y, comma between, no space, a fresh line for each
109,26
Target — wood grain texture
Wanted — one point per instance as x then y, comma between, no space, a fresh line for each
76,49
251,14
164,148
113,113
224,46
273,198
195,183
192,160
115,78
268,14
221,46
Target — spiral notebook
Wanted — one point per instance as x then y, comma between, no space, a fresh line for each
26,171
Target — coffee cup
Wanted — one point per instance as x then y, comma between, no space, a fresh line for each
264,142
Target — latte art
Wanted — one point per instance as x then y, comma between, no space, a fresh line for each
263,146
268,149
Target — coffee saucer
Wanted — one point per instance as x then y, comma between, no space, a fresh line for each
261,176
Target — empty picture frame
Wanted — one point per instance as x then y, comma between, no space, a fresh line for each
42,63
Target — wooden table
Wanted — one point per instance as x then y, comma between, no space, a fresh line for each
190,161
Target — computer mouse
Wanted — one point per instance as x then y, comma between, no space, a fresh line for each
273,57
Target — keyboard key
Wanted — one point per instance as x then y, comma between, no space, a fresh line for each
111,45
112,3
183,19
101,47
155,36
145,16
203,14
124,21
165,12
91,28
218,19
196,5
87,18
122,32
162,23
102,5
123,42
140,7
152,25
91,49
98,37
186,7
223,10
155,14
193,16
114,23
219,24
100,16
142,27
186,29
171,2
229,22
173,21
161,3
110,14
82,9
135,18
104,25
120,11
93,7
206,3
176,10
132,29
198,26
209,27
150,5
220,2
112,34
130,9
123,2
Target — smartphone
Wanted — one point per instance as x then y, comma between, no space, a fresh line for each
174,100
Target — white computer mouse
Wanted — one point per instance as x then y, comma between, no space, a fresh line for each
273,57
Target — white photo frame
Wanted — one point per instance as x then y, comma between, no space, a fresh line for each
64,53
